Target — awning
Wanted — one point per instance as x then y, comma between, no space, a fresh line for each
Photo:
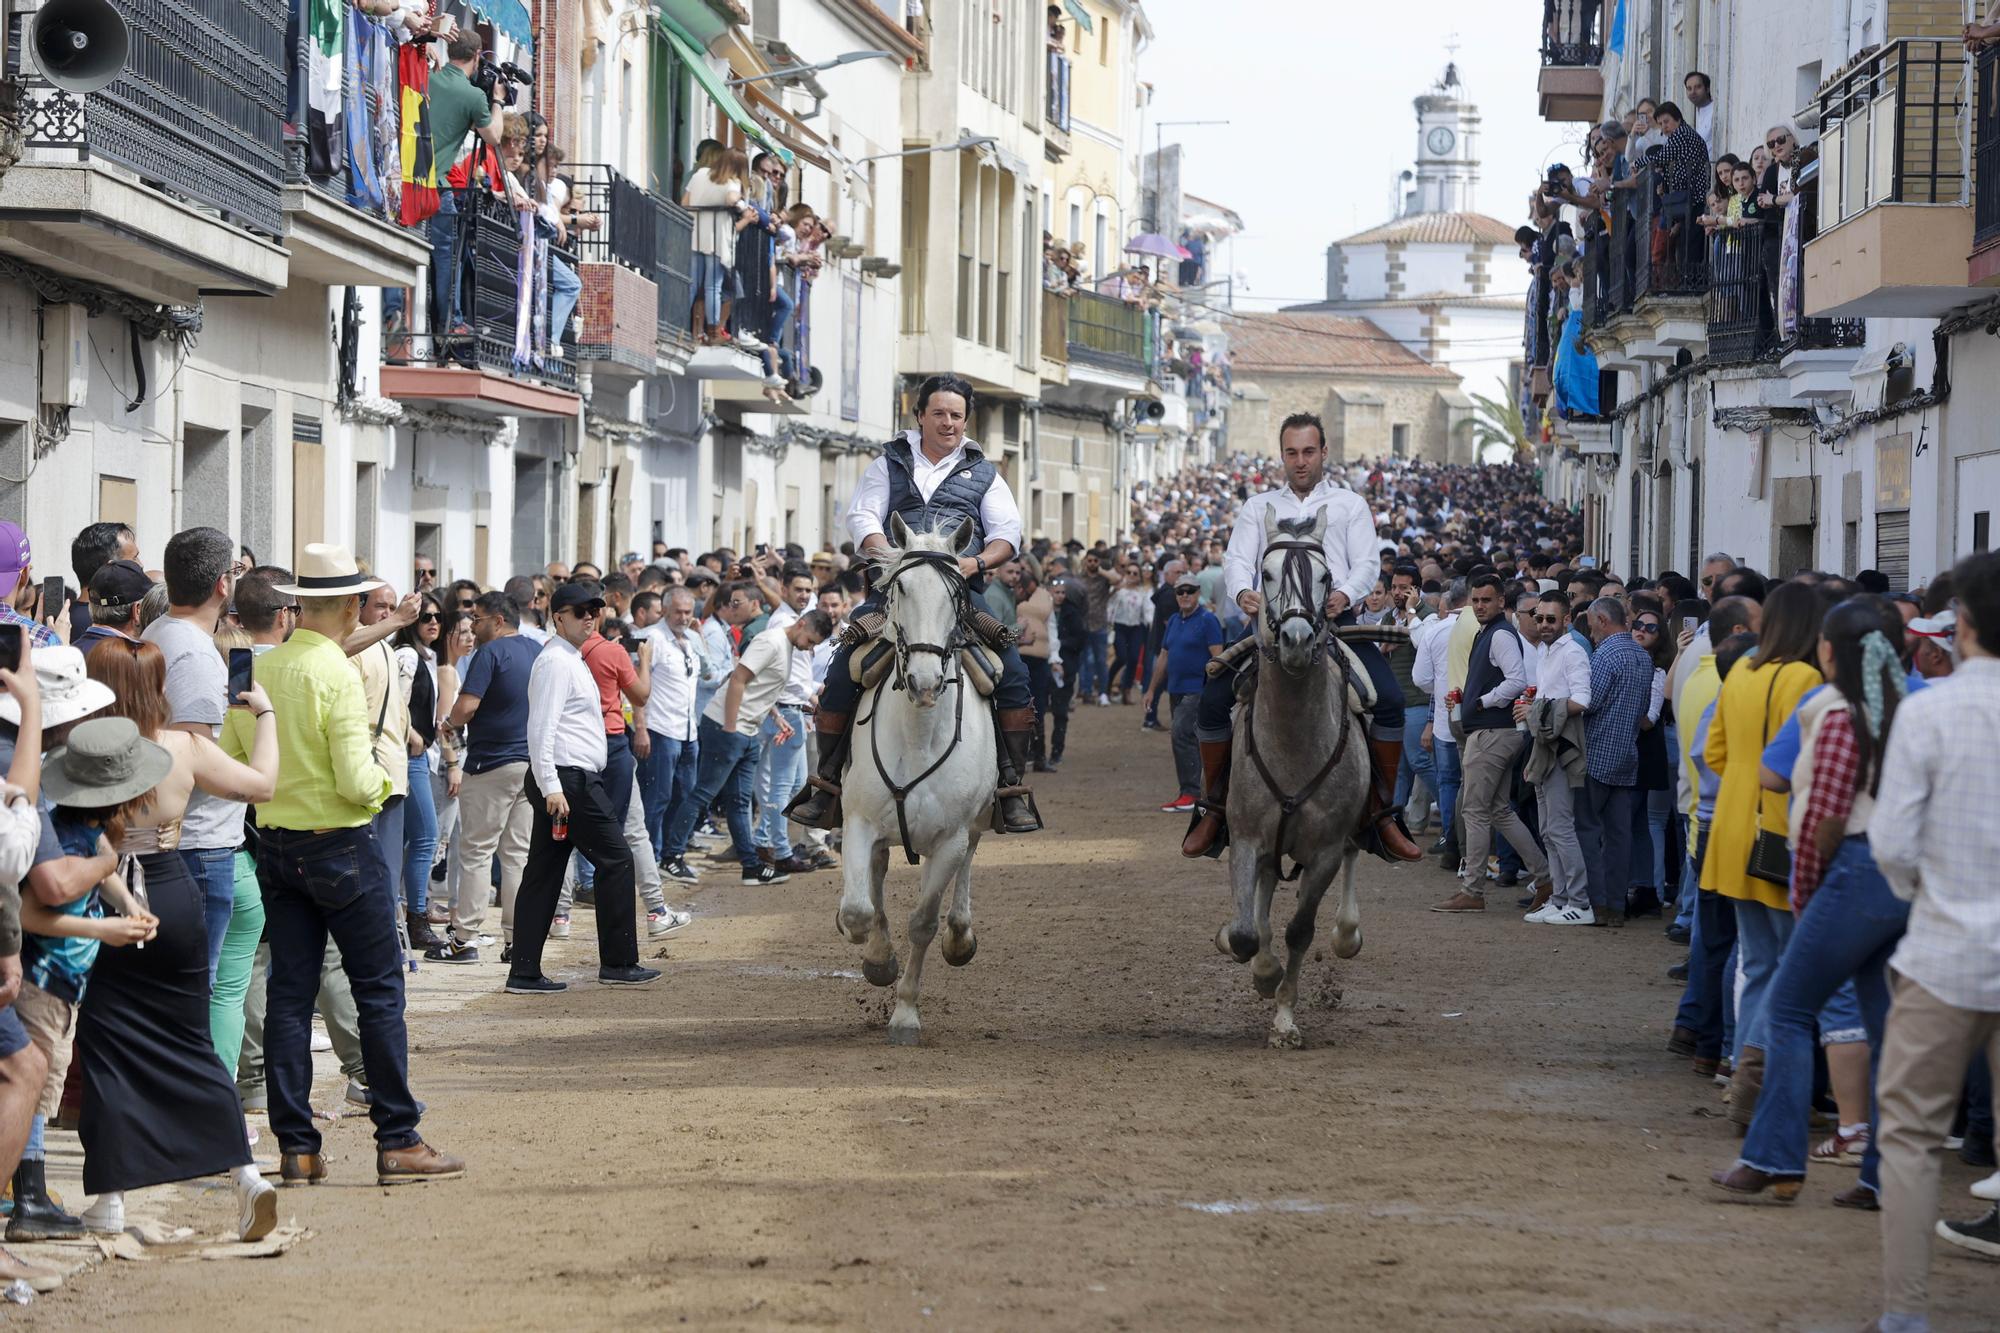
509,16
1080,14
790,130
718,91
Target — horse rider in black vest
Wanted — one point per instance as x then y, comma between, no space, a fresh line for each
933,477
1351,547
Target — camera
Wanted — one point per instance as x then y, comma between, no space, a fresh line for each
489,74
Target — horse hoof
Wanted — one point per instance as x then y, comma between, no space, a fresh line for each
883,973
1238,944
958,949
1286,1039
1345,945
903,1036
855,931
1267,982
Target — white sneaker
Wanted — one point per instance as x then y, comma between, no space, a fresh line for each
1540,916
106,1215
1104,701
559,928
747,341
1988,1188
667,922
320,1041
256,1208
1571,916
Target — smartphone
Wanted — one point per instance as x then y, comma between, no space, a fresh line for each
52,596
239,674
763,548
1692,624
10,647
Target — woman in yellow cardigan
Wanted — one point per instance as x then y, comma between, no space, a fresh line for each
1755,701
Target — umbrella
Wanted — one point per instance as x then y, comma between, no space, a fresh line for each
1152,243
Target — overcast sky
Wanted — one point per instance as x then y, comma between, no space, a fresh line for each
1316,138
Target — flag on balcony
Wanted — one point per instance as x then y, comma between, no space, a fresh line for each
371,97
326,25
419,169
1617,43
1575,371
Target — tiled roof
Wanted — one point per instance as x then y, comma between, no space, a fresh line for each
1437,229
1302,343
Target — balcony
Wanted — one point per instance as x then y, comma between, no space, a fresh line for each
1056,120
1055,337
1893,187
166,183
1108,334
1749,297
1646,281
673,275
616,236
1985,263
501,360
1571,87
343,193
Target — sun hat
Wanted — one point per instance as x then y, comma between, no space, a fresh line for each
106,762
329,571
68,693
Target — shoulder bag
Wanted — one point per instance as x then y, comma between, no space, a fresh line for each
1770,854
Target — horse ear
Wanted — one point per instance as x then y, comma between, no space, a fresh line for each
899,532
1270,525
1319,526
961,535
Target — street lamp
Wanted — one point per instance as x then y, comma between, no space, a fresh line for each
792,71
969,141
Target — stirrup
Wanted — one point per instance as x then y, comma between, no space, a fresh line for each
1371,840
1001,795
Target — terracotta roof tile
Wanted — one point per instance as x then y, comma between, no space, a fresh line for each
1299,342
1437,229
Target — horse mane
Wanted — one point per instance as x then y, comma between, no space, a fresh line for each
884,559
1301,526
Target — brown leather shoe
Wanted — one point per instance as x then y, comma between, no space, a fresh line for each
1858,1197
1391,841
1681,1042
1207,827
1544,890
794,865
301,1168
418,1162
1704,1066
1461,902
1741,1179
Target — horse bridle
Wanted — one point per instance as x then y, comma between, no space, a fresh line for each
1295,583
947,653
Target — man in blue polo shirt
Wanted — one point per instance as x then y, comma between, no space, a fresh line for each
1192,635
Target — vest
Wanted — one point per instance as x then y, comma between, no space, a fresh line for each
1482,677
957,496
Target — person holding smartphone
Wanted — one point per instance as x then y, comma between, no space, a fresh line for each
20,595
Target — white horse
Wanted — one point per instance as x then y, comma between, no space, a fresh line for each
1301,759
921,771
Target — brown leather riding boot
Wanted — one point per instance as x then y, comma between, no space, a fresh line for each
1015,805
1391,841
1207,829
818,803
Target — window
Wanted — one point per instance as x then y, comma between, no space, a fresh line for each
367,503
1399,439
1098,256
1104,44
1075,223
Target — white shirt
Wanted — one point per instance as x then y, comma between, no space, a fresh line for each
1935,839
798,691
1532,655
1565,671
768,659
677,664
565,715
868,515
1432,670
1350,542
1503,651
529,630
1704,125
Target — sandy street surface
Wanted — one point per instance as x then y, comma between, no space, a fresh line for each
1483,1131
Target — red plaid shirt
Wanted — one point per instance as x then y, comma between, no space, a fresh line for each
1835,763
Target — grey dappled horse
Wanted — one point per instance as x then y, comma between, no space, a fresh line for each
1302,760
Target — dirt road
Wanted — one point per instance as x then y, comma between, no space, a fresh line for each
1483,1131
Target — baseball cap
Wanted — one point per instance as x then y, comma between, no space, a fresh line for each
576,597
1186,585
16,554
119,583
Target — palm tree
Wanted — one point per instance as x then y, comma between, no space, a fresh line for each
1497,421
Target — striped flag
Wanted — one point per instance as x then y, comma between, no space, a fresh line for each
420,188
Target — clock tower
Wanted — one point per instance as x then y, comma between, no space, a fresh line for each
1447,149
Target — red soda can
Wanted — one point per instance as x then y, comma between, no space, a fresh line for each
559,827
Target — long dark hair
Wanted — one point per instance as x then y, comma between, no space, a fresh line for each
407,636
1790,628
1867,646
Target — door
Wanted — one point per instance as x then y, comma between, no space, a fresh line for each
1978,486
118,501
308,497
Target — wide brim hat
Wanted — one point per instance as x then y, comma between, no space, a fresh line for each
106,762
329,571
67,692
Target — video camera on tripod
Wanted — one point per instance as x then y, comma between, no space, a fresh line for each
487,78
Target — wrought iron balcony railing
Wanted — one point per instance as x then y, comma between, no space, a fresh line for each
344,141
618,219
1986,149
1058,108
1104,331
197,112
1893,131
1753,298
673,270
1668,249
1570,34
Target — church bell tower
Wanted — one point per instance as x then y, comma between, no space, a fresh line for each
1447,149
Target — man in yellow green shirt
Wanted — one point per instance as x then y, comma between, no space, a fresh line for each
323,873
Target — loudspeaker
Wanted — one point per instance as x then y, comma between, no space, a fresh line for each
79,45
1150,409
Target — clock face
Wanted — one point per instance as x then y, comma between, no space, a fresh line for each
1440,141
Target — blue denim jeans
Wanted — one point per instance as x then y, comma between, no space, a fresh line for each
1417,761
389,832
1604,827
334,884
783,305
1450,777
666,778
1130,643
1090,674
565,290
710,273
445,263
781,771
420,836
1848,930
214,868
726,770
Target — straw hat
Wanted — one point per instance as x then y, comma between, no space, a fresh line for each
329,571
107,762
68,693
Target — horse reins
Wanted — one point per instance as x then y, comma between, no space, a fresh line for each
1296,581
946,564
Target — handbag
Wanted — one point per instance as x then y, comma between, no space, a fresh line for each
1770,854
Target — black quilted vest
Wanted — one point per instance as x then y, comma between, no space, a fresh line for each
957,496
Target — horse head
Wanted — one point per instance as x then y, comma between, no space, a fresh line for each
1296,584
923,594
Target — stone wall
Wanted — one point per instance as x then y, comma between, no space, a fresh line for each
1356,426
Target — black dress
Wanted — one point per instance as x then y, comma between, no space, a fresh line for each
157,1104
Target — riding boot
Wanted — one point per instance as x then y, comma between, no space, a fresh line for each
817,804
1014,810
1386,836
1206,834
36,1216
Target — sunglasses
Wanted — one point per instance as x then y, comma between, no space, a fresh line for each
1548,620
1187,592
429,618
1778,142
1645,627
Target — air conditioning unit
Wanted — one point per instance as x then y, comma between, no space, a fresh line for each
65,342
